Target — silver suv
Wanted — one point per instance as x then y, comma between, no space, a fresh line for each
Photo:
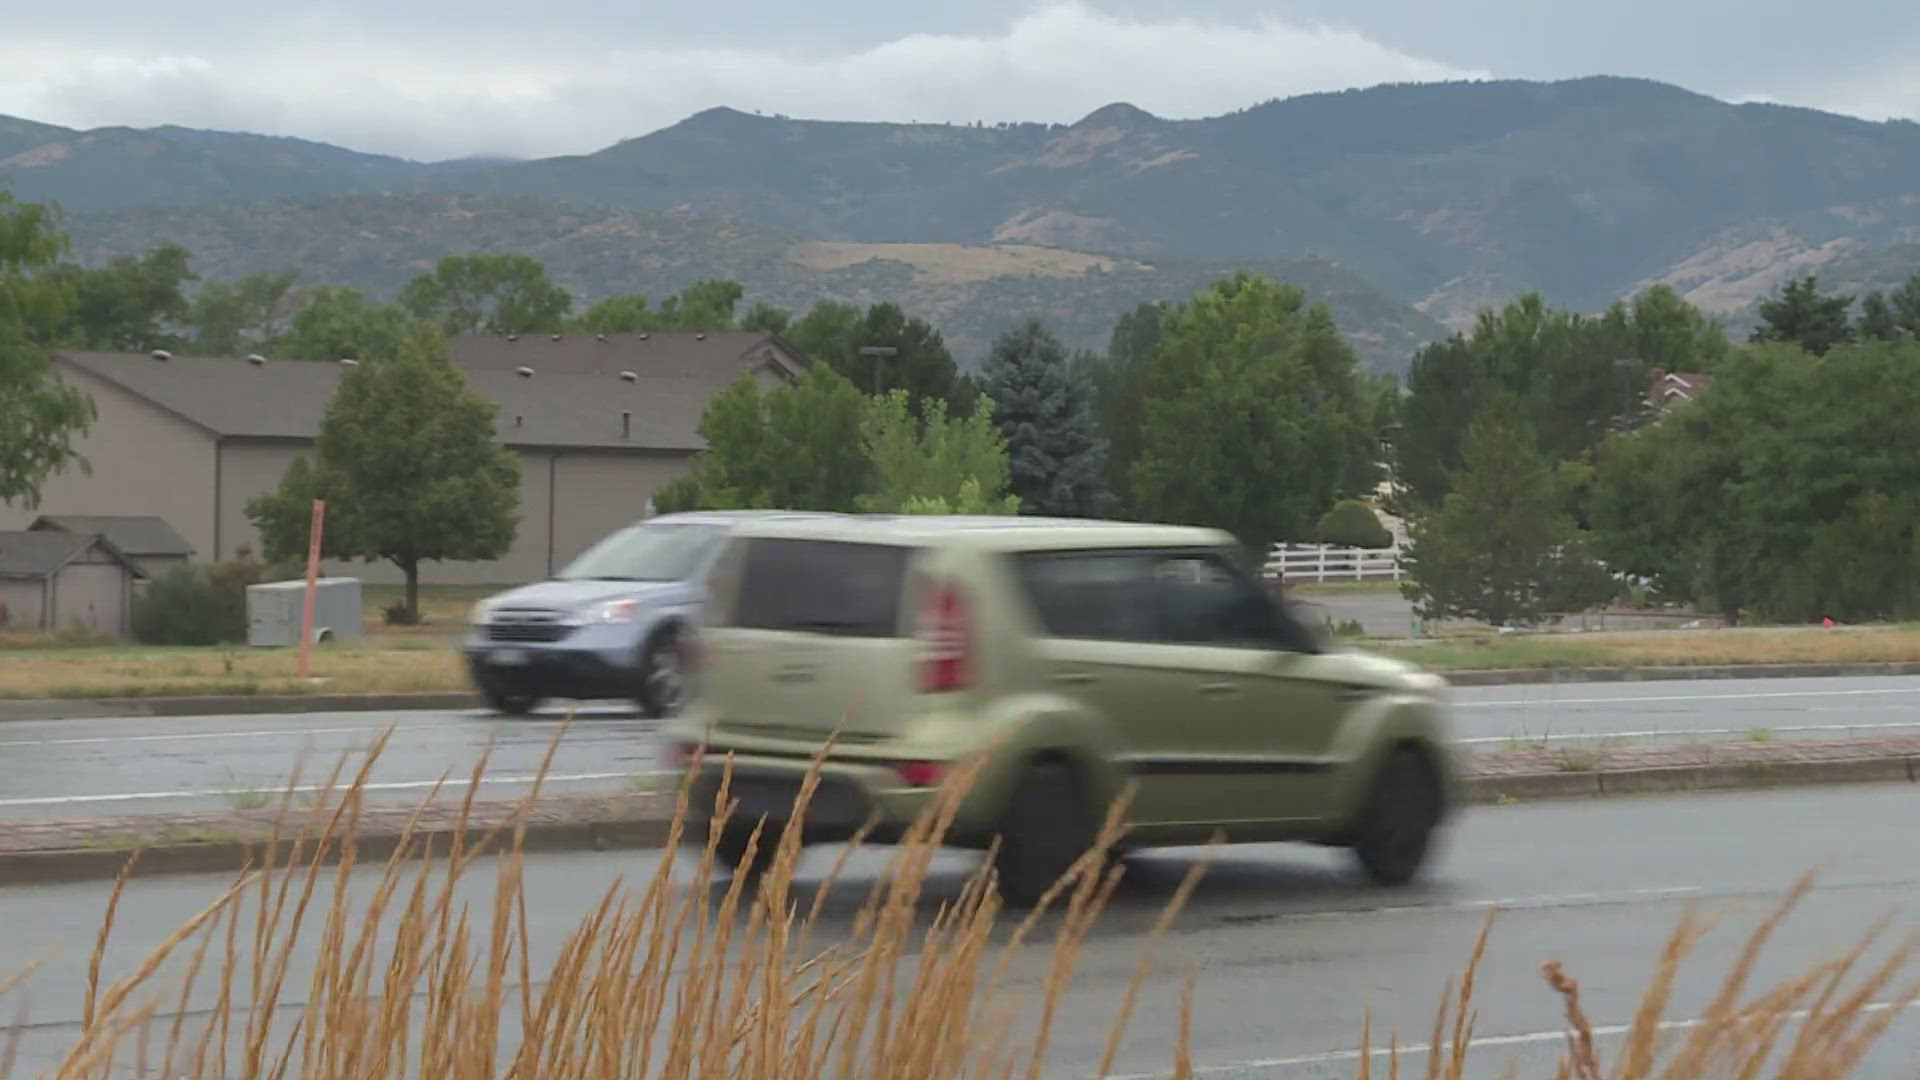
1072,659
610,626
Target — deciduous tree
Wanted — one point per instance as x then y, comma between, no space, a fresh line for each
230,316
790,448
488,294
933,463
40,415
1056,457
332,323
835,333
1253,418
410,466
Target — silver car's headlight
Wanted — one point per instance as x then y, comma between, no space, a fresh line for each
610,611
480,613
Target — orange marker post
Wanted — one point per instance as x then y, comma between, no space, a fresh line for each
313,577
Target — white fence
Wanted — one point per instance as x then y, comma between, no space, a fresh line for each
1319,563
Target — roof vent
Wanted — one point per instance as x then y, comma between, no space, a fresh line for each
701,336
348,361
524,372
513,337
630,376
162,354
556,337
600,337
256,359
644,335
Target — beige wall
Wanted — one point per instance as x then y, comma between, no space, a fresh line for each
91,592
591,493
145,461
23,601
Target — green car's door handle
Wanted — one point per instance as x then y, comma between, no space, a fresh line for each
1074,678
1218,689
797,673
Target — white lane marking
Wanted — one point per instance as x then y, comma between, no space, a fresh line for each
1689,732
1632,700
91,740
309,789
1610,1031
1510,903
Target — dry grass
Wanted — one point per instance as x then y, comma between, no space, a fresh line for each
668,980
1667,648
660,980
384,664
1817,1025
956,264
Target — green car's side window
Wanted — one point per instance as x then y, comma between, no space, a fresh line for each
1088,596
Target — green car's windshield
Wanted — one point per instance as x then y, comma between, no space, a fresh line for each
655,551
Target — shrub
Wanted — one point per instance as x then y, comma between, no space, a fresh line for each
1352,523
197,604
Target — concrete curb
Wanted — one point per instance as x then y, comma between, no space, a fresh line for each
242,704
1513,676
1751,775
230,705
94,864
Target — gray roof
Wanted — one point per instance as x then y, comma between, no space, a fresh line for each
136,535
37,554
574,398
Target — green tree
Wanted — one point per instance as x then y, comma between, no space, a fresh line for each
410,467
1876,322
40,414
1352,523
1787,493
488,294
1803,315
703,307
130,305
1119,384
789,448
834,333
1575,378
934,463
230,316
1056,457
1906,307
1500,549
1253,420
766,318
332,323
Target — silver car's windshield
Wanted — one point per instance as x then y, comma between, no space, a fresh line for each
655,551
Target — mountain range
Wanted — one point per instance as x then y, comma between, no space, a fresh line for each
1406,206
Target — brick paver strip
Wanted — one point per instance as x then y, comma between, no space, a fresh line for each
120,833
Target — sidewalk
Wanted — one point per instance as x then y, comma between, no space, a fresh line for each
96,848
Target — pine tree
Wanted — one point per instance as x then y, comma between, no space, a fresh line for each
1501,549
1056,456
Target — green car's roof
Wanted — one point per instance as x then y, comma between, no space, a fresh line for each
999,533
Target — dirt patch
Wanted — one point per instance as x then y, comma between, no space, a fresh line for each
956,264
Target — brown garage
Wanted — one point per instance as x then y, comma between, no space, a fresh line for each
51,581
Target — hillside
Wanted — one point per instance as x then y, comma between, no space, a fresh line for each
973,292
1445,195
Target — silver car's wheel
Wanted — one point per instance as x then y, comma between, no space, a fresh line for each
662,679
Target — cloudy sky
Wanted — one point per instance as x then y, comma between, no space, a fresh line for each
445,78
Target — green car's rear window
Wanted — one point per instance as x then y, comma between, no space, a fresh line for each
821,587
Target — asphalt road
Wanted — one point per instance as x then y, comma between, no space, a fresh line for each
83,768
1286,947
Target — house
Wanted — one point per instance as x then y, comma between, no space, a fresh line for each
148,540
51,580
1674,388
598,423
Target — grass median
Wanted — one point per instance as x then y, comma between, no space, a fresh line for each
692,974
1662,648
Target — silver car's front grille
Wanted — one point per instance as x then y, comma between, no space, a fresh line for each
527,625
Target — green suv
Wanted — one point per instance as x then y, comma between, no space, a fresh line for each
1077,657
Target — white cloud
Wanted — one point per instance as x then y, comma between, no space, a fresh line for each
428,100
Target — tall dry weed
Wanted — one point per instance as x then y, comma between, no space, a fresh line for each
661,978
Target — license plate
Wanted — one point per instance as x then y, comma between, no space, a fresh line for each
507,657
